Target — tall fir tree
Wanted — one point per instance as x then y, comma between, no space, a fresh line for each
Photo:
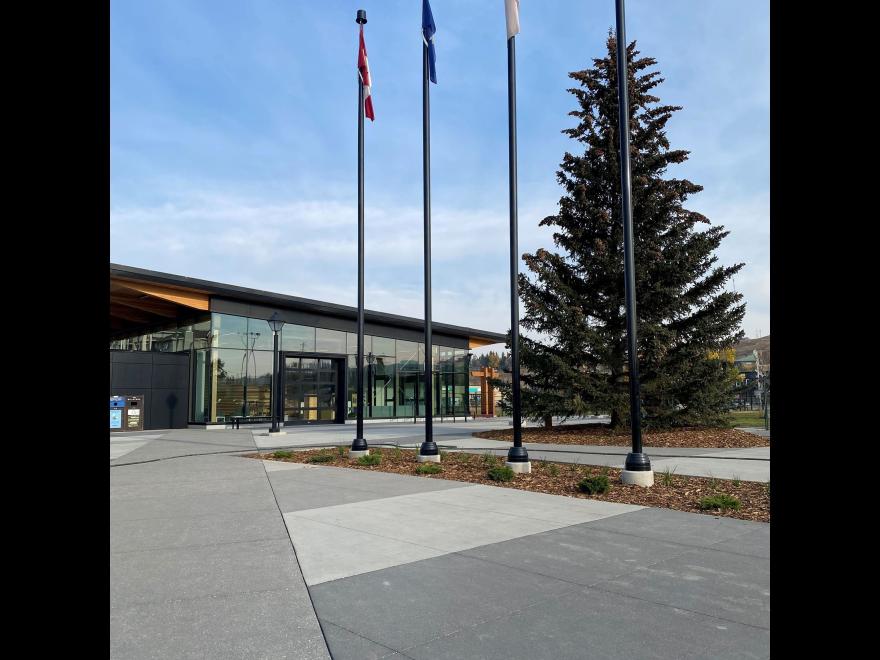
574,299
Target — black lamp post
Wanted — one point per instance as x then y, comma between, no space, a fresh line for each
276,323
637,468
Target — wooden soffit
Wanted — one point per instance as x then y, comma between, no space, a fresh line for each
477,342
179,296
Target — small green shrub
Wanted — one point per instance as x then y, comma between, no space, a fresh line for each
429,468
282,454
370,459
720,501
594,485
605,471
443,454
552,469
341,450
397,453
666,477
321,458
500,473
490,459
736,480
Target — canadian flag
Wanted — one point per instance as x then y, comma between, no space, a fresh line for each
364,70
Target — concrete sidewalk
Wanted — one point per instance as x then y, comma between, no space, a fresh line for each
201,564
749,464
221,556
406,567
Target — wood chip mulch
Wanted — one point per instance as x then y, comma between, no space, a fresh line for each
601,434
682,493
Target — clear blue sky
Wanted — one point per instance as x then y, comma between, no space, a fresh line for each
234,140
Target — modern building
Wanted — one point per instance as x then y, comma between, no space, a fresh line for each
200,353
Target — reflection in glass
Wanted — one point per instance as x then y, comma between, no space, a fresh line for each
230,331
201,379
300,338
330,341
310,389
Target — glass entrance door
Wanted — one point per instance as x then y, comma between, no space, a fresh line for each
310,389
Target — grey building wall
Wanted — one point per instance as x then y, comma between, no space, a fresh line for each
162,379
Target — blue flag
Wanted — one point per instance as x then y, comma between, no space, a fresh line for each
428,30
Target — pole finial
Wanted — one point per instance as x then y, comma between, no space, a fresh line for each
361,16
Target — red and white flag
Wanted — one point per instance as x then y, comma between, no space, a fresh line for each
364,70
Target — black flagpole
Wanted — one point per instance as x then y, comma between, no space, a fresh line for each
359,445
517,456
636,461
428,450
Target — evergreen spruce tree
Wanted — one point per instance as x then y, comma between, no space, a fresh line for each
574,299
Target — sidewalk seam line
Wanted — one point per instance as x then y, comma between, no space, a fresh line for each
298,565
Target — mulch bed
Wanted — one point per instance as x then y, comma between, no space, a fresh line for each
601,434
683,493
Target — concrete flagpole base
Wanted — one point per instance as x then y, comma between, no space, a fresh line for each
274,433
520,467
431,458
638,477
357,454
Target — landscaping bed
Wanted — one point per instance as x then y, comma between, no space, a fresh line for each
601,434
671,491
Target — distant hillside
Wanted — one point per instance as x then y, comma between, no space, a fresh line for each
760,344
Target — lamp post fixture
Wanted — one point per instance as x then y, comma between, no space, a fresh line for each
276,323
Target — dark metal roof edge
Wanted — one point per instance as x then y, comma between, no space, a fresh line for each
244,294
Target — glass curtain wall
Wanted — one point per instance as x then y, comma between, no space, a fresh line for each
231,368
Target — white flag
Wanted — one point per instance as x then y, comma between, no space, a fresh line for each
511,7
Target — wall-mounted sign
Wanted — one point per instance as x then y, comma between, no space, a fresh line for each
115,419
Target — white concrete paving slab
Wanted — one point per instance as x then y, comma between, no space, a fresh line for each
540,506
745,452
350,539
121,444
276,466
329,552
746,470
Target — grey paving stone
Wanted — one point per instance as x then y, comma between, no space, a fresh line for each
211,529
365,479
298,492
244,483
580,553
755,543
719,584
411,604
183,442
194,505
694,529
586,624
265,625
346,644
209,468
197,572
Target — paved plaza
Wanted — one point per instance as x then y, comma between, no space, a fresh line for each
217,556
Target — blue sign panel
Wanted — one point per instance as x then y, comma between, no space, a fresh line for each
115,419
117,402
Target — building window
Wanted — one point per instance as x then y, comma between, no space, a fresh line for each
299,338
329,341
